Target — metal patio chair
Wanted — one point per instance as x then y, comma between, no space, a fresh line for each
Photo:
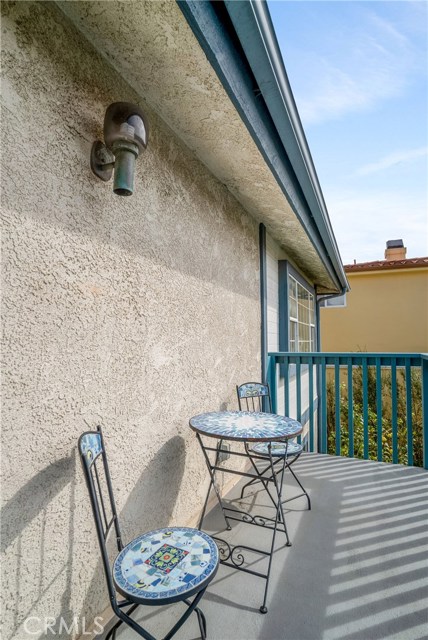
159,567
255,396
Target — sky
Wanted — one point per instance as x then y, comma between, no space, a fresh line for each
359,75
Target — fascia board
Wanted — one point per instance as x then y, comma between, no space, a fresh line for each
254,28
226,60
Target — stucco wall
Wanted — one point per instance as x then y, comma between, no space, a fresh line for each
385,311
136,313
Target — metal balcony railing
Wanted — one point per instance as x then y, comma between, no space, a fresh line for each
365,405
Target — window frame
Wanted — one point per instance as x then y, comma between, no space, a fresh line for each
331,303
286,271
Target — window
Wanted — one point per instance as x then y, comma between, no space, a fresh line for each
301,306
337,301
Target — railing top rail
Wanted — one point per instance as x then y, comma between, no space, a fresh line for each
349,354
351,357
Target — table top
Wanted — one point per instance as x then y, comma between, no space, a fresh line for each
245,425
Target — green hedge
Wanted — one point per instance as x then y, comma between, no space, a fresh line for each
372,415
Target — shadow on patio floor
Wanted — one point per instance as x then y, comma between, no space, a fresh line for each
357,570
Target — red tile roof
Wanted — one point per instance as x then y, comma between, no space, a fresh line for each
383,265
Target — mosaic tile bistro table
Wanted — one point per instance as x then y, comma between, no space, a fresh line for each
244,427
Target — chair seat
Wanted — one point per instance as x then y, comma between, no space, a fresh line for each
277,448
165,565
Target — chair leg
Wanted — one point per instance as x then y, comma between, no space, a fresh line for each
112,633
301,486
126,618
261,477
192,606
202,623
304,492
247,485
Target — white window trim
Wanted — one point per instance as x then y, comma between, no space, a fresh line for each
312,319
338,302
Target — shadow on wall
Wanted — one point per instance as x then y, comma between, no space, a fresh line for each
150,505
30,502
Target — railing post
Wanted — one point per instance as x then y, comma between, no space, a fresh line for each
409,414
394,416
323,444
379,423
311,404
337,406
299,394
424,367
271,377
365,409
285,372
319,403
350,409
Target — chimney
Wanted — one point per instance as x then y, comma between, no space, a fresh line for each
395,250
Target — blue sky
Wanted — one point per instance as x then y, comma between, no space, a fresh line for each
358,71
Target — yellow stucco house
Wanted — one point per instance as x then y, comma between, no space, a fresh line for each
386,309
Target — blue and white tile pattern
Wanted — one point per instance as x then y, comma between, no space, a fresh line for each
277,448
90,446
253,390
166,564
245,425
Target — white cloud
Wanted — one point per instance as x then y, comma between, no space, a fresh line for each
391,160
388,29
337,92
372,61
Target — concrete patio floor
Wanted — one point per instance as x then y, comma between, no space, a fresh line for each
357,568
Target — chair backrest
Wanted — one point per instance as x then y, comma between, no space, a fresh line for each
98,481
253,396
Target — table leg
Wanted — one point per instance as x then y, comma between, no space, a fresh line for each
279,516
212,473
277,478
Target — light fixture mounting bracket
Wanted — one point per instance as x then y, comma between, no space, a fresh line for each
102,161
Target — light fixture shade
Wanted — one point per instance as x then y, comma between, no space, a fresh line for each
125,122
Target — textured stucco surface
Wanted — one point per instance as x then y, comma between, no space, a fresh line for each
131,312
152,45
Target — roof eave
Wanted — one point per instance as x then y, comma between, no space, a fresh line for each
282,141
256,33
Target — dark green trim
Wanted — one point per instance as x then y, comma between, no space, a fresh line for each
230,36
283,307
400,359
425,409
256,33
263,301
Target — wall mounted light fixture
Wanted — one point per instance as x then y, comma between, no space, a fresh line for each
125,136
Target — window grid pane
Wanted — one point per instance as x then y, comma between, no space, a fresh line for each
302,317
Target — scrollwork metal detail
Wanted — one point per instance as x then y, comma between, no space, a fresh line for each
243,516
234,555
258,520
229,553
